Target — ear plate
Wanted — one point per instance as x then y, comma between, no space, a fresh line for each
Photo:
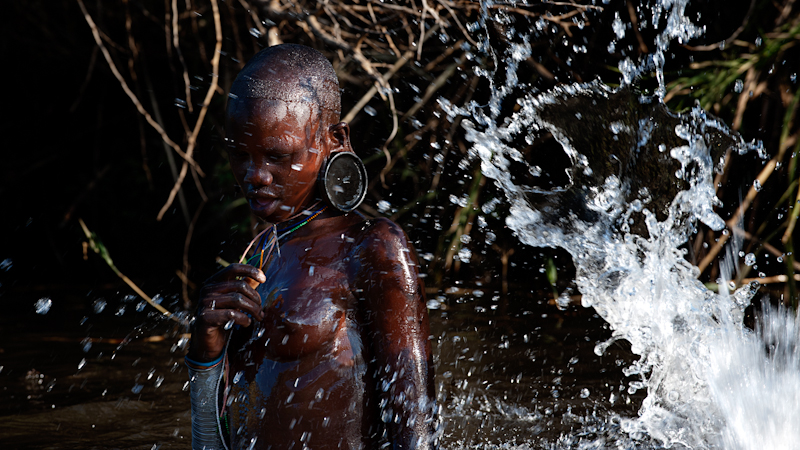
343,181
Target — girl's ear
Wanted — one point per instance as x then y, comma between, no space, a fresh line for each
340,137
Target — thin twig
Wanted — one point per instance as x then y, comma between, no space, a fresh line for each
791,112
762,178
173,168
440,81
201,116
770,280
635,22
176,44
459,24
82,89
736,33
774,251
401,61
101,250
187,302
254,15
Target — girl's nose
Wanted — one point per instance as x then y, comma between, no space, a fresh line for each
259,175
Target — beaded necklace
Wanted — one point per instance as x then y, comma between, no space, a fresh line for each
269,239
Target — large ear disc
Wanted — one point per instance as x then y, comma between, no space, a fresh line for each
343,181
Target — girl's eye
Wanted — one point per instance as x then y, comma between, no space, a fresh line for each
279,157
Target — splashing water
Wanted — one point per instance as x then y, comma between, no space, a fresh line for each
640,177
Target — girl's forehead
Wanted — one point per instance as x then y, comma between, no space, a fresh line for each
273,117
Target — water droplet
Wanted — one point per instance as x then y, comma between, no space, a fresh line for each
562,302
253,441
584,393
757,186
6,264
99,305
228,325
738,86
43,305
464,255
137,388
86,344
750,259
370,110
81,364
384,206
255,33
618,26
297,167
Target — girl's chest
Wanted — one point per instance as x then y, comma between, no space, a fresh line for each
309,304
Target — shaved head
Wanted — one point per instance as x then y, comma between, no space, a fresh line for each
282,123
291,73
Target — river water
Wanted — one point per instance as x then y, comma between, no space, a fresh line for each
505,374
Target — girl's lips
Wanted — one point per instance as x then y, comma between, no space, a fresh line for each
263,206
262,201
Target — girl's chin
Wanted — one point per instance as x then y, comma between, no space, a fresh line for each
264,208
273,211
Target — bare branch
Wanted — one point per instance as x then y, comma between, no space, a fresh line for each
95,32
176,44
201,116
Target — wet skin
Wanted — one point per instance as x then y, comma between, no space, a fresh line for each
332,336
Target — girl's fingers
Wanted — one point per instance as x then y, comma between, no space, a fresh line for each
223,317
238,271
234,301
240,287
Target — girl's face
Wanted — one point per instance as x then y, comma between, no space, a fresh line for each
276,149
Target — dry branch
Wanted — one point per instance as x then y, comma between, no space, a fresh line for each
131,95
199,123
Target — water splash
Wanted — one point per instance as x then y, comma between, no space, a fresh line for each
639,177
677,27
